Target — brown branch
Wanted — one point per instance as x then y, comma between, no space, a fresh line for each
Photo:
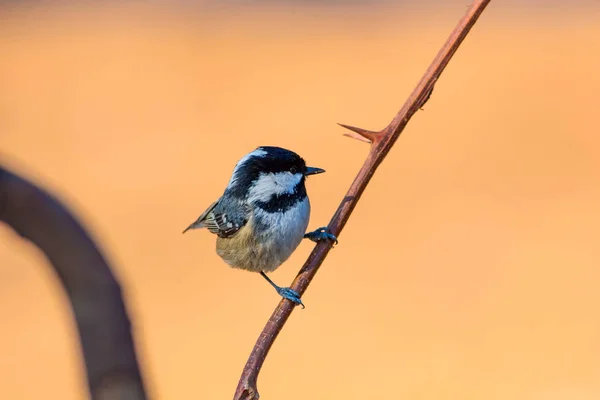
381,143
93,291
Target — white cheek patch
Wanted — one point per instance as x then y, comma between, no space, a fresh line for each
242,161
269,185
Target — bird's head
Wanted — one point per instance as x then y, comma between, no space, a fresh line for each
270,173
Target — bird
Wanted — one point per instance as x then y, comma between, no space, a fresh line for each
263,214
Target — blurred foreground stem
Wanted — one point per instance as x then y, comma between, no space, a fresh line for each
93,291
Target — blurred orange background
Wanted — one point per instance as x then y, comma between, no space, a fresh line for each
469,269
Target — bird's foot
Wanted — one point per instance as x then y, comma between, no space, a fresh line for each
285,292
291,295
321,234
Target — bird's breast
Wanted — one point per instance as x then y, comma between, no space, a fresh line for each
267,240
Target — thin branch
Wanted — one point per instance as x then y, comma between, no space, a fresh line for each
92,289
381,143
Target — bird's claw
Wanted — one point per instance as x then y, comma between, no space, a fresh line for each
321,234
291,295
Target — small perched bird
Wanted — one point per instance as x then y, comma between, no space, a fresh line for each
263,214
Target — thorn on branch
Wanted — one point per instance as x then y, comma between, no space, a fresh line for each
357,137
365,135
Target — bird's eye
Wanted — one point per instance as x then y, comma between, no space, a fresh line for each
293,170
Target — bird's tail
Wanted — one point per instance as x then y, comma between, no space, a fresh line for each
195,225
201,221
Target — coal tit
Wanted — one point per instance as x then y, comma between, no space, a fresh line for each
263,214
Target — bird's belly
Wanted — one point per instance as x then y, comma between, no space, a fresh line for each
267,240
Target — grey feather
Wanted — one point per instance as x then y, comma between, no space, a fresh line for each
218,221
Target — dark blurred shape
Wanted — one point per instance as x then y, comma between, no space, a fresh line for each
94,292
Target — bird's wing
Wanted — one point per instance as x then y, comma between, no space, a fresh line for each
218,222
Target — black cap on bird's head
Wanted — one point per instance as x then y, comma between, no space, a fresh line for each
278,159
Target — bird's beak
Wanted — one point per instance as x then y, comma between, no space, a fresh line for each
313,171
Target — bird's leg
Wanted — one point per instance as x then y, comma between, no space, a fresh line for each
320,234
285,292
